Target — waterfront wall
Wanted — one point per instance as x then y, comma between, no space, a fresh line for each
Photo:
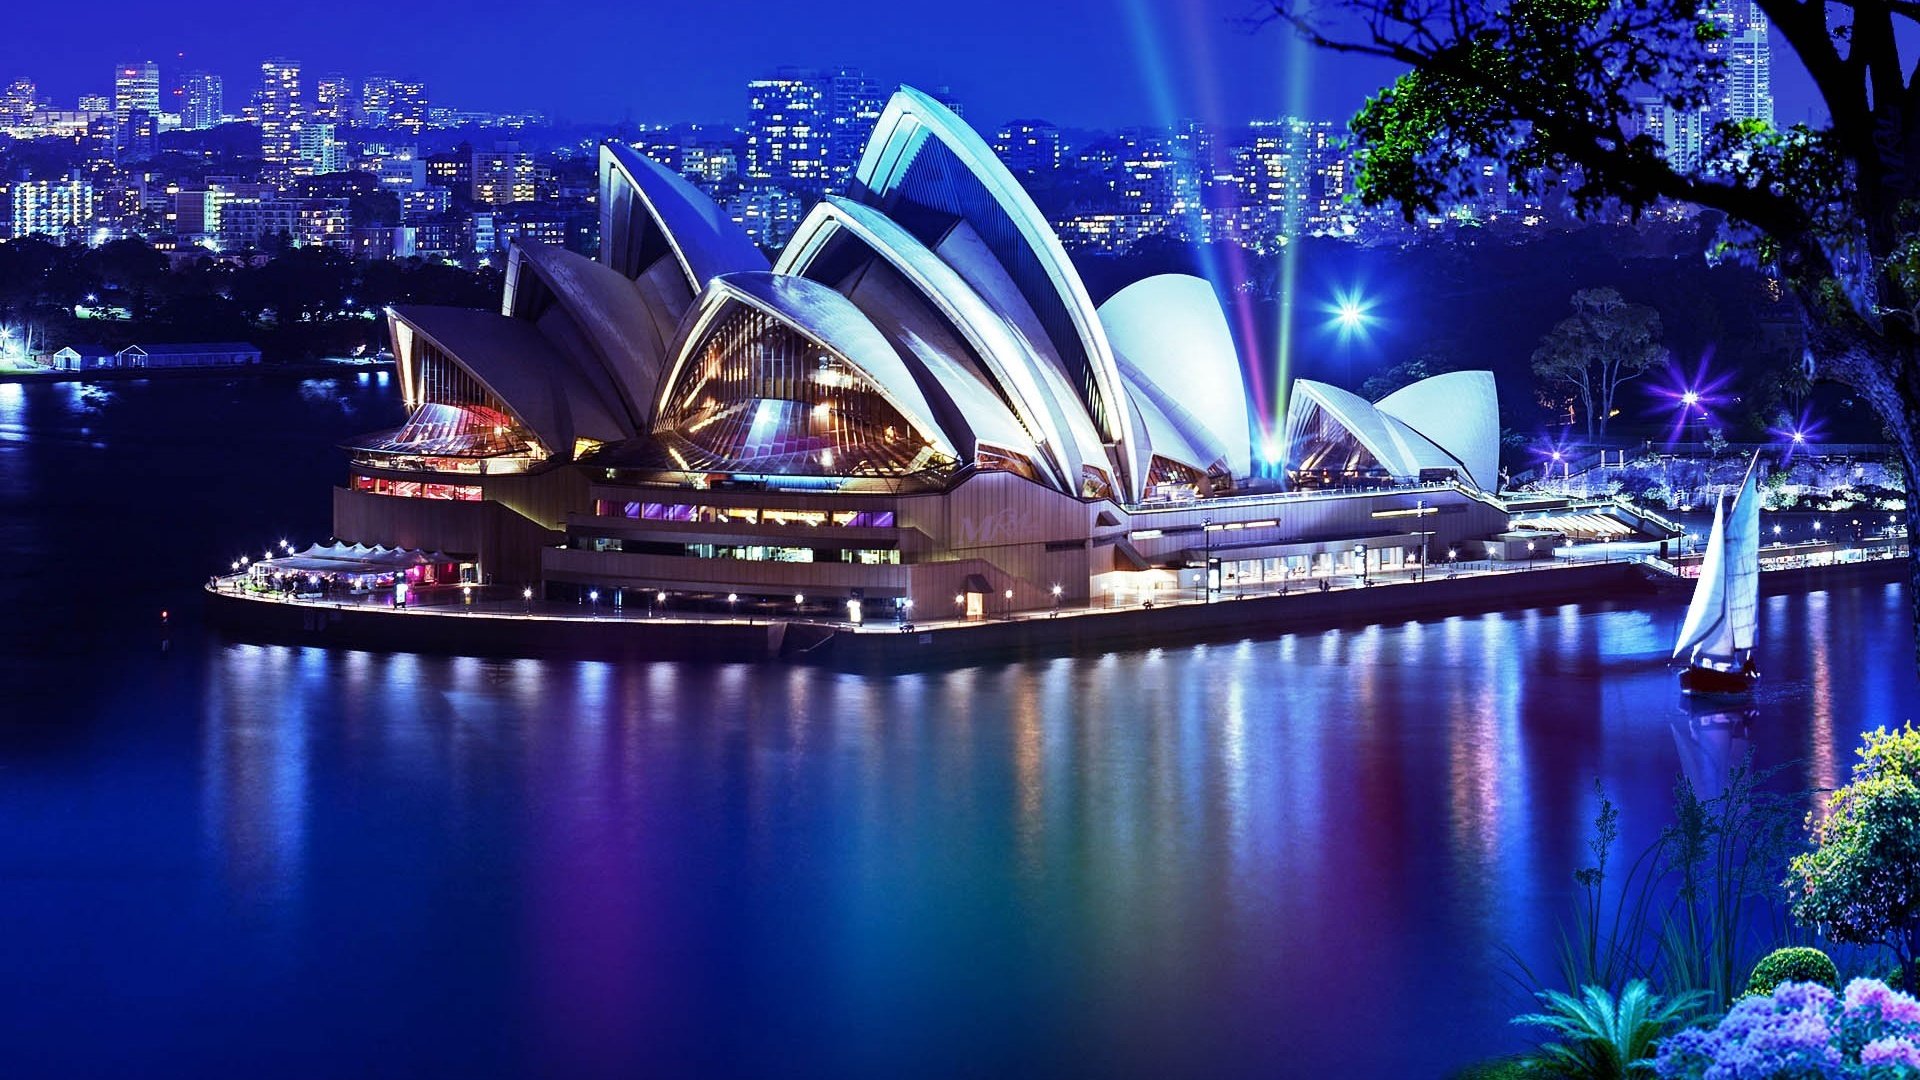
1033,634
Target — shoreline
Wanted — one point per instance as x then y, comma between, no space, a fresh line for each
467,632
305,369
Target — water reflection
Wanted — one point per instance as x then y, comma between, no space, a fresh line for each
1173,860
1712,742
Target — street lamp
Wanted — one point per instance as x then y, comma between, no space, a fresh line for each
1008,595
959,605
1206,536
593,598
1360,554
733,605
1056,599
526,595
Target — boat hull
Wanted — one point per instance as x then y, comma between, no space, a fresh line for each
1708,681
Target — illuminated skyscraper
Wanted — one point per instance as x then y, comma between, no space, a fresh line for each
319,150
1028,147
1748,94
376,99
205,101
788,129
281,113
330,94
853,103
1680,132
409,105
17,103
136,86
62,209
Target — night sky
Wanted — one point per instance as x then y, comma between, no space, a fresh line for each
1097,63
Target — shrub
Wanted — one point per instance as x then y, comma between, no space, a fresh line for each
1802,1030
1601,1038
1797,964
1860,885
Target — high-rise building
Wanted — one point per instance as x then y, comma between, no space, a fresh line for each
281,113
136,86
1028,147
788,129
1680,133
138,137
376,99
1748,93
409,105
503,175
319,150
62,209
95,103
854,101
330,98
17,103
205,103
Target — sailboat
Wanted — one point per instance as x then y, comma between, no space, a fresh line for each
1717,637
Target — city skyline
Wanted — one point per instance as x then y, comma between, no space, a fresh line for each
1128,66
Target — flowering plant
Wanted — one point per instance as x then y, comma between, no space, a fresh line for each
1802,1030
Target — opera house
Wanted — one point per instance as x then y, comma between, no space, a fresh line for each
916,406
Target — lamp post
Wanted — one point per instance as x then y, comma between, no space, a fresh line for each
661,599
959,607
1008,596
1056,601
1360,554
733,606
1206,539
526,597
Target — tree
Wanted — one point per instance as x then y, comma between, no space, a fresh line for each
1553,90
1860,885
1424,365
1604,344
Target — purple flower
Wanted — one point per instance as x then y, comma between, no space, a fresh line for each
1891,1052
1870,999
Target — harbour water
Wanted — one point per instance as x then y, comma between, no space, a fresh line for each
1292,856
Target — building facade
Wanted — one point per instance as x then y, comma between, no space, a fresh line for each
915,407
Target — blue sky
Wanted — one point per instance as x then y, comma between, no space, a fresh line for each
1076,62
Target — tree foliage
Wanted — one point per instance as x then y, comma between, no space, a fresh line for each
1606,343
1860,884
1554,91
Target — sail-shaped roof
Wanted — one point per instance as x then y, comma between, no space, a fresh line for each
926,169
583,305
1170,330
512,363
1459,412
648,211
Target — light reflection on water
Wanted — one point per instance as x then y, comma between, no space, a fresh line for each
1181,858
1299,855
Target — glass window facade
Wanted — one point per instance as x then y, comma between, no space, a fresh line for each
414,489
758,396
743,515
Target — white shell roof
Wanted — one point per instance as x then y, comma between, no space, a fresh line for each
1388,430
999,345
1400,450
704,240
608,308
1171,330
826,317
1458,412
909,119
518,365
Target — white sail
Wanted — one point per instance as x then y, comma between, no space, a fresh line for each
1707,613
1743,568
